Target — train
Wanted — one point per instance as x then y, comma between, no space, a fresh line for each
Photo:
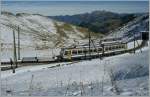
83,52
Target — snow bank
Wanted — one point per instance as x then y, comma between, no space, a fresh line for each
130,66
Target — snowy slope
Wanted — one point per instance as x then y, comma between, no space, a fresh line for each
127,31
90,78
36,30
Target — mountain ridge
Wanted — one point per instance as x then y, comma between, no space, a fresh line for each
98,21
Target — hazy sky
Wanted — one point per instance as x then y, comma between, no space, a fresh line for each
70,8
73,0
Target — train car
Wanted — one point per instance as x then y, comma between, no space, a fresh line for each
94,51
29,59
114,48
79,52
111,39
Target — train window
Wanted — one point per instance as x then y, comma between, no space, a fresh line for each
85,51
74,52
106,48
124,46
114,47
80,51
110,48
67,52
121,46
117,47
91,50
95,50
99,49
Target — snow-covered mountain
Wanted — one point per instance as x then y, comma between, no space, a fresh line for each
38,31
133,27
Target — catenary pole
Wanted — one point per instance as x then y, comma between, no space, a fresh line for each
15,54
89,44
18,43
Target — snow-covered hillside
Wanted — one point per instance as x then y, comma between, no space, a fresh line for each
39,31
133,27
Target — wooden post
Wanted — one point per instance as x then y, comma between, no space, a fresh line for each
15,54
18,43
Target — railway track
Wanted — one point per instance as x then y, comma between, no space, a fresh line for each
8,66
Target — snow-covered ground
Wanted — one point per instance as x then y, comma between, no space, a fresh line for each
88,78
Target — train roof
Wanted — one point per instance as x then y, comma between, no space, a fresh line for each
83,46
111,39
114,43
96,45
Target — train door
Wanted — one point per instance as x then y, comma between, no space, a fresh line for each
126,46
69,54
